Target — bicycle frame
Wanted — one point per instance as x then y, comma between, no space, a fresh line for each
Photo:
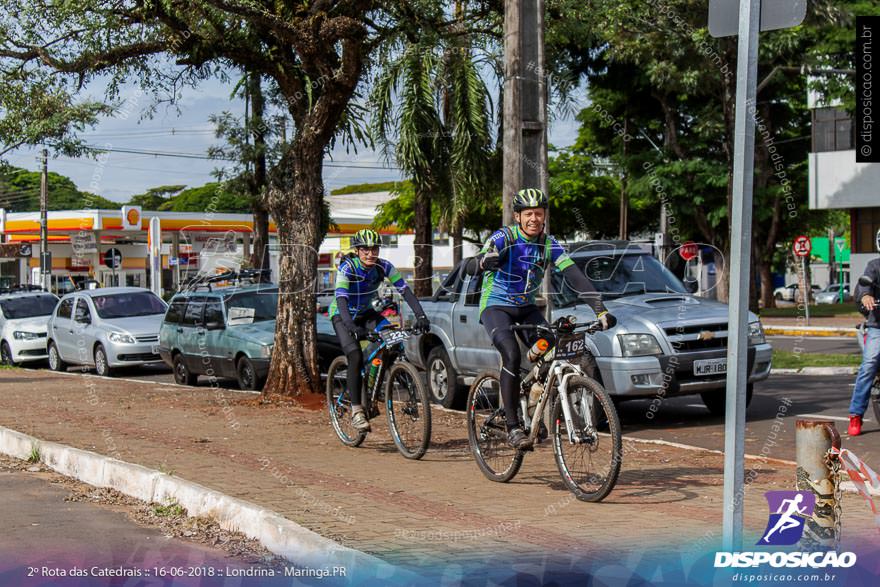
560,372
389,354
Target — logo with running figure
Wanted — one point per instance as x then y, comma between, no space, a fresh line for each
788,513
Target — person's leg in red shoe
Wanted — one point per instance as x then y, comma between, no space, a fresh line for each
864,379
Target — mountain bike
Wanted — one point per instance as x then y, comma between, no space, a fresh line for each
558,399
386,377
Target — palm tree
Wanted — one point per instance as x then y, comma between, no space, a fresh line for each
432,113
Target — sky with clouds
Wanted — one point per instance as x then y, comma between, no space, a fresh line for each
122,175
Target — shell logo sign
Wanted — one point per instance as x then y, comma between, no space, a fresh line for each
131,218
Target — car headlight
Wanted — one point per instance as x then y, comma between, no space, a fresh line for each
266,351
756,333
638,345
121,337
23,335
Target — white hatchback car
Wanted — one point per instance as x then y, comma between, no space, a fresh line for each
24,314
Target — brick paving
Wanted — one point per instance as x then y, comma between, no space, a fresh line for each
434,511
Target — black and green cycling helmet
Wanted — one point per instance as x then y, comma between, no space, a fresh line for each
366,238
529,198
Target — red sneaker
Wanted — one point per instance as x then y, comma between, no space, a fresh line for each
855,425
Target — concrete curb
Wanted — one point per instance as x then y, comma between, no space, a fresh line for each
779,330
816,371
278,534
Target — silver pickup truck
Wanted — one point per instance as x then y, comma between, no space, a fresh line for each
667,342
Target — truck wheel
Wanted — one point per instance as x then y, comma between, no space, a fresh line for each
716,400
442,377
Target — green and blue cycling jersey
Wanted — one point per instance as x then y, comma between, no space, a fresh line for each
359,285
523,262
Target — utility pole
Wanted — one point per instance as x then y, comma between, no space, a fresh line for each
624,200
45,256
525,101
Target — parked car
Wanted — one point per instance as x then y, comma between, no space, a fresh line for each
24,314
831,294
105,328
664,334
788,293
228,332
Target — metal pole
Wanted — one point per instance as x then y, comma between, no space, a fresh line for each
813,439
45,272
511,141
805,295
740,249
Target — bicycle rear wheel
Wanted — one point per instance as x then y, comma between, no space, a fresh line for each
487,432
589,466
408,410
339,403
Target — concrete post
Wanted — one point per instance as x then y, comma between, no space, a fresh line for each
813,439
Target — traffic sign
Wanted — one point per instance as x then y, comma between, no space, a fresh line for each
775,14
688,250
802,246
840,243
25,250
113,258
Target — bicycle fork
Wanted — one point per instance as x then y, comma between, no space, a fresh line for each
574,431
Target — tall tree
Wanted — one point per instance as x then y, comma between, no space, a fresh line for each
315,53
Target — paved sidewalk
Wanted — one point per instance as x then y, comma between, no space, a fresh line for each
438,510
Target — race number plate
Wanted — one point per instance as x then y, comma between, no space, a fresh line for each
571,347
394,336
710,367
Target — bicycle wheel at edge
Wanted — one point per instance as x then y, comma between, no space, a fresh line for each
340,414
579,463
487,434
408,410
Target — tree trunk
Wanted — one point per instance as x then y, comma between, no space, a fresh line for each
722,277
424,237
457,243
767,286
260,252
753,286
295,198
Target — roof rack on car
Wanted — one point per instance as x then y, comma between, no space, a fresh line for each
242,277
20,288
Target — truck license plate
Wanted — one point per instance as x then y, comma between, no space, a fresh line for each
710,367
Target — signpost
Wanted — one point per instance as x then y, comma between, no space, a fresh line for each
840,245
802,247
113,260
746,22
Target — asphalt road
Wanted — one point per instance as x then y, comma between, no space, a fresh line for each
44,535
687,421
842,345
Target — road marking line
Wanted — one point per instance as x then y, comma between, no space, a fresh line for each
145,381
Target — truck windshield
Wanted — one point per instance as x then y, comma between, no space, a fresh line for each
252,306
28,306
617,276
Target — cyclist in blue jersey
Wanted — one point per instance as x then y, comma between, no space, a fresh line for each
351,313
515,259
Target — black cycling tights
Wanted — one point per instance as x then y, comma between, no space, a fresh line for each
497,321
353,352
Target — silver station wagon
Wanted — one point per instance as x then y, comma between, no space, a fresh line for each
105,328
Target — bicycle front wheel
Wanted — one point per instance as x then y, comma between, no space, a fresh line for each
408,410
487,432
589,455
339,403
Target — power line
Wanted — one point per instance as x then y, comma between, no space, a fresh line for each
181,155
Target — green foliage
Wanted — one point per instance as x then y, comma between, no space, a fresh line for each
155,198
172,509
787,360
20,192
34,456
364,188
211,197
